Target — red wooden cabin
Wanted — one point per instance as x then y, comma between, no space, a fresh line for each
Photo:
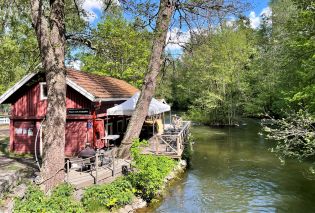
88,98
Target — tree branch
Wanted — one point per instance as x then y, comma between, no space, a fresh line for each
81,40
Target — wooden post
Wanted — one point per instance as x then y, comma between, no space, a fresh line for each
178,145
113,159
96,168
68,168
156,145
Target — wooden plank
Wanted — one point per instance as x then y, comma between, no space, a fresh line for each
104,175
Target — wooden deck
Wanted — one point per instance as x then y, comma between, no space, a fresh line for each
105,167
171,143
99,173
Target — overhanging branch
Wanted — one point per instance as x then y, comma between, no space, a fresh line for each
81,40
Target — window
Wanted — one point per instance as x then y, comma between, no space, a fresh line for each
109,129
43,90
120,126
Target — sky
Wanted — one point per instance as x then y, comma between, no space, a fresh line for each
258,7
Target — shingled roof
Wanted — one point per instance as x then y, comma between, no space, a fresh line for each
101,87
92,86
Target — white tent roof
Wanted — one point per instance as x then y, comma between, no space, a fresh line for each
127,107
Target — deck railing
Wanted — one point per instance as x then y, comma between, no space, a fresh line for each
4,120
92,165
173,138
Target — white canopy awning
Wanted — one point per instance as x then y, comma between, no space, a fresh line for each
127,107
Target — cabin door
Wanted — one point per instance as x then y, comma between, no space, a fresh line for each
76,136
24,137
99,133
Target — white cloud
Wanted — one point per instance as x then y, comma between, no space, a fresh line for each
176,38
89,6
76,64
230,22
266,12
255,20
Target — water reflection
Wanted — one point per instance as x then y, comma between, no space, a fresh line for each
233,171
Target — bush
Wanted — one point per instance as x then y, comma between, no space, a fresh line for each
295,136
150,171
60,201
146,180
108,196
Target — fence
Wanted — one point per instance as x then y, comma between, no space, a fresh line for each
95,169
172,141
4,120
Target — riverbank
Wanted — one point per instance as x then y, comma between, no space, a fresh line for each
148,178
233,170
138,204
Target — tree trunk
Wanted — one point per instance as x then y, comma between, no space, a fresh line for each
148,89
50,32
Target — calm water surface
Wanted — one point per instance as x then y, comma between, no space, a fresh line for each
233,171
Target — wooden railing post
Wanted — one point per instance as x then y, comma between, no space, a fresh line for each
113,159
68,168
96,168
178,145
156,145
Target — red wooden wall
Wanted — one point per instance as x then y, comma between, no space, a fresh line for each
29,105
27,111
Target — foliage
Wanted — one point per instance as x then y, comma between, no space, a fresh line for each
18,51
150,171
282,78
59,201
232,70
121,51
211,79
295,136
108,196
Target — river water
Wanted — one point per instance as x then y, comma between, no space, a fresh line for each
234,171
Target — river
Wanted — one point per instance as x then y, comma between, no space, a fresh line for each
234,171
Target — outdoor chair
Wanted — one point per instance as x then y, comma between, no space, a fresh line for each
87,164
106,161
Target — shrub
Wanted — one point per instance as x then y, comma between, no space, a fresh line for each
60,201
108,196
150,171
294,136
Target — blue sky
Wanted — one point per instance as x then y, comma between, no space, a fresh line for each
259,5
93,7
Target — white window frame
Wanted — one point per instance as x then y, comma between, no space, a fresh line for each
42,97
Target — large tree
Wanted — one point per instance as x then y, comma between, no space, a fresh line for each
49,20
195,14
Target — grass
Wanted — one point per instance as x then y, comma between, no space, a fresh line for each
12,167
